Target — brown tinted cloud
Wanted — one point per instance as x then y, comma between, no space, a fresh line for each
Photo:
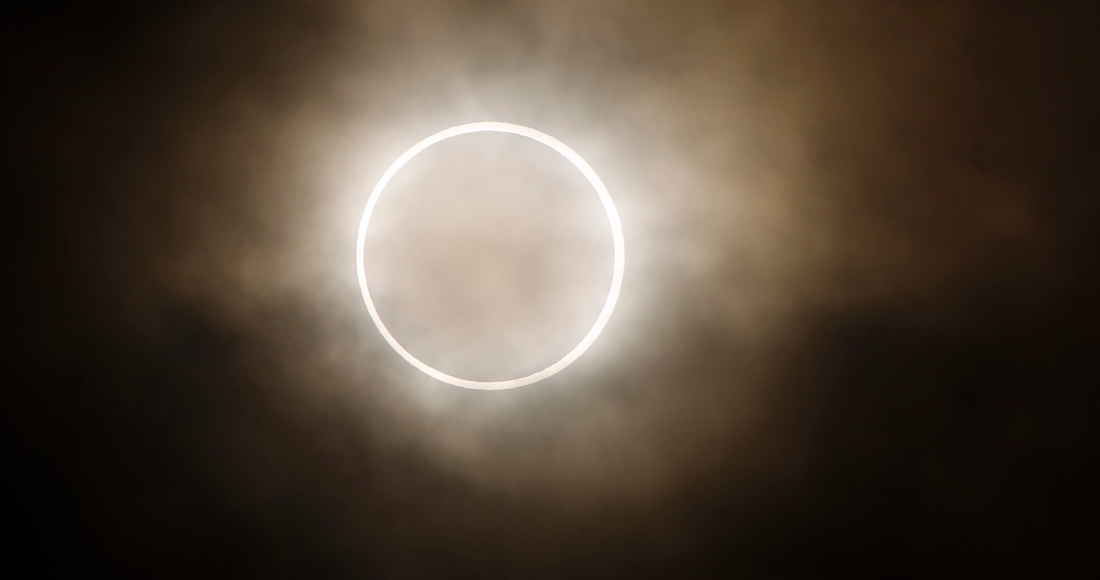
848,335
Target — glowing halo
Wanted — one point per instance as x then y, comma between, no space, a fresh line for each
616,235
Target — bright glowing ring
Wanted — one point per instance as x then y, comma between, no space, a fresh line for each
612,217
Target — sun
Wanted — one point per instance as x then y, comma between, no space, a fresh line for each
616,236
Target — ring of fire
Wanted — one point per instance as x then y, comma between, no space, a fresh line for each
612,217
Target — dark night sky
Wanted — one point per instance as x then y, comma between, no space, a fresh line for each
857,331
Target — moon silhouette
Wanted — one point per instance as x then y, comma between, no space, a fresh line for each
616,236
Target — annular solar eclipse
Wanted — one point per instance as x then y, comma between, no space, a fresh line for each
616,236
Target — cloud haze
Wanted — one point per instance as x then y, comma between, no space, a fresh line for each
855,250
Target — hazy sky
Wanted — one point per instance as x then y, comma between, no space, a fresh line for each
856,330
